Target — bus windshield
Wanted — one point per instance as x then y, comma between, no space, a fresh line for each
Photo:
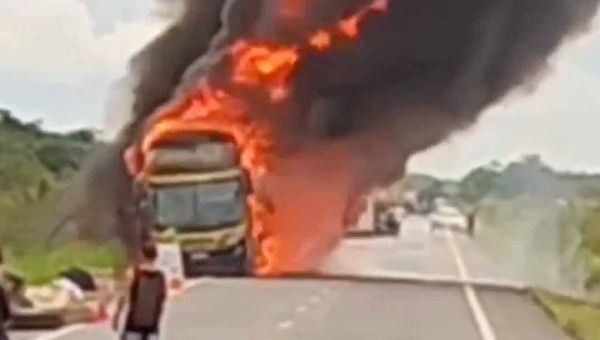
203,205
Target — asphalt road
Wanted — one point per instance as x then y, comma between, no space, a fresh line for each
439,287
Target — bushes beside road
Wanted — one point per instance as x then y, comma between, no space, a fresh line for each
36,168
558,245
578,318
547,237
591,245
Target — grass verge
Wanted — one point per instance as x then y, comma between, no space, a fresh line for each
580,319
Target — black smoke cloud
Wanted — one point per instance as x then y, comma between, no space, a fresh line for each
416,73
430,68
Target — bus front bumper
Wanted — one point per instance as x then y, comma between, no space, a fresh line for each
230,261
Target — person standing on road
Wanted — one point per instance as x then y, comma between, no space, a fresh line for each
392,223
471,221
146,296
4,305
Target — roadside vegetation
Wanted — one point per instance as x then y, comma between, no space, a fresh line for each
578,318
37,167
544,223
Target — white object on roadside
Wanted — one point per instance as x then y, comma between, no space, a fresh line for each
170,262
72,288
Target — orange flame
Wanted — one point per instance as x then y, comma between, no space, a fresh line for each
320,40
264,68
349,26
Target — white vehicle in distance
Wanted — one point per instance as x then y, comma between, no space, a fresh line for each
447,216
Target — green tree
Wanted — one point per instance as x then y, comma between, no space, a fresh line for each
83,136
477,184
473,188
591,231
56,156
428,195
33,165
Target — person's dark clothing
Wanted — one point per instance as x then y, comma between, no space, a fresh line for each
147,297
3,335
138,336
392,223
471,224
5,314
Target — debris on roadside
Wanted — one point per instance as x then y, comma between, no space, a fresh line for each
76,296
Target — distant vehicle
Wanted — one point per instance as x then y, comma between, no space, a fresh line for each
377,218
447,216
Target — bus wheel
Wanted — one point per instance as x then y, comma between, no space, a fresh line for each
248,257
188,267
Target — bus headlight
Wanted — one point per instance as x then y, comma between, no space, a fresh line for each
224,240
239,250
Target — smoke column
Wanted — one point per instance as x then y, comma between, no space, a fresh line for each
415,74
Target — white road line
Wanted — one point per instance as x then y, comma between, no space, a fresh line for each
285,324
61,332
189,284
301,309
483,324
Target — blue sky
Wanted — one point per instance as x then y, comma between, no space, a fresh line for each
60,57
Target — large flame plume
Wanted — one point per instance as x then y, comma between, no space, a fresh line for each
264,70
328,98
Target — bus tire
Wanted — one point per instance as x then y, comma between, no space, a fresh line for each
248,257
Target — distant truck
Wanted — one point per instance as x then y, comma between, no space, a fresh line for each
378,218
196,192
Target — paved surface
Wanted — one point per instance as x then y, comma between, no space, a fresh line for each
25,335
330,309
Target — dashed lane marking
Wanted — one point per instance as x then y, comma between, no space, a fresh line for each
285,324
189,284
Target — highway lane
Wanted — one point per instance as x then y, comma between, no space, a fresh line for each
389,311
26,335
329,309
415,252
515,316
231,309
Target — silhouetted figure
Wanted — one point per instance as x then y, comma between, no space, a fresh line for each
471,223
392,223
145,299
5,313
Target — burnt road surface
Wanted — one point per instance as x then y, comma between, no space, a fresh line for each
438,286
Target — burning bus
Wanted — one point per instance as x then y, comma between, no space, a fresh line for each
322,101
196,192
